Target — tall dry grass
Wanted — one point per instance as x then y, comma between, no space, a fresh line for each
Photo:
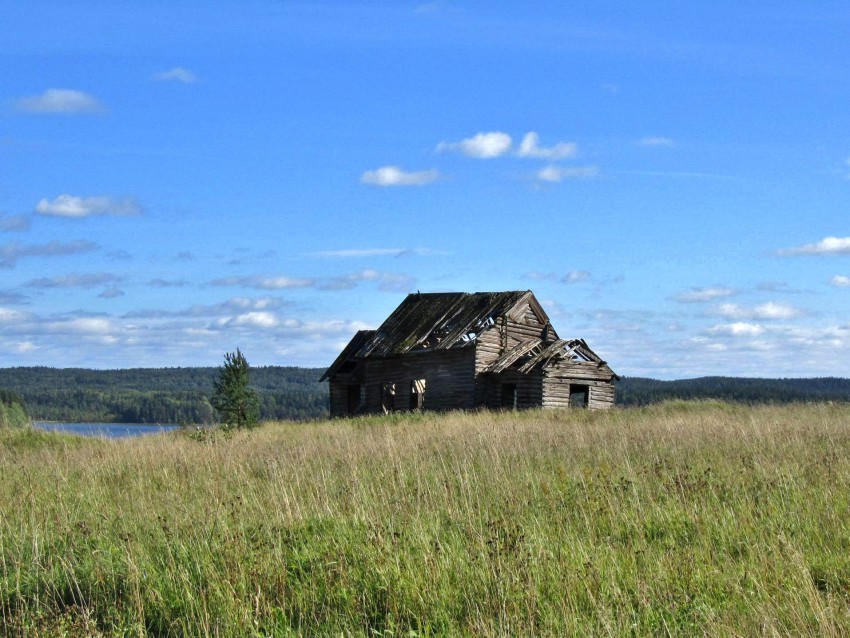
679,519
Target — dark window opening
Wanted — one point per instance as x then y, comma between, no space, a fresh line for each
579,396
355,397
388,396
509,396
417,394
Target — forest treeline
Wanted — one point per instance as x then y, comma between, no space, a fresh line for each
158,395
633,391
181,395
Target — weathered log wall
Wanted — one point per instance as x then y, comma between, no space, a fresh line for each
557,382
529,388
449,377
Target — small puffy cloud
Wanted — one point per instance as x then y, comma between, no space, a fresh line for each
738,329
826,246
87,280
62,101
387,281
72,206
554,173
111,293
769,310
14,223
773,310
7,315
655,140
86,325
264,283
575,276
703,295
481,146
176,74
530,147
12,252
395,176
22,347
840,281
254,319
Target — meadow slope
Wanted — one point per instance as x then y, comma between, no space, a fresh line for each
676,519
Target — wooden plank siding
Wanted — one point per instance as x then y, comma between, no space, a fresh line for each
449,377
529,388
558,379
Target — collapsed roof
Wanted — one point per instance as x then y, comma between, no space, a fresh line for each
448,320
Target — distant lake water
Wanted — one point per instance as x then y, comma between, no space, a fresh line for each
107,430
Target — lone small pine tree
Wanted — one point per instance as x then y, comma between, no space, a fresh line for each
236,403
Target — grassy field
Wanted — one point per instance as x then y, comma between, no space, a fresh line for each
679,519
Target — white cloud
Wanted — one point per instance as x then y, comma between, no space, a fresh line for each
575,276
738,329
395,176
255,319
7,314
65,101
530,147
769,310
826,246
655,140
87,325
11,253
265,283
559,173
22,347
387,281
72,206
481,146
176,74
773,310
702,295
840,281
87,280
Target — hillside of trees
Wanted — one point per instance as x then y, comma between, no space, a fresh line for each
181,395
642,391
158,395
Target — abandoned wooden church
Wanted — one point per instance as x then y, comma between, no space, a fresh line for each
446,351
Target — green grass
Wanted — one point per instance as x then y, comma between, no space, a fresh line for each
678,519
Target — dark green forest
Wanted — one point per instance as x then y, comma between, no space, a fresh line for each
158,395
632,391
181,395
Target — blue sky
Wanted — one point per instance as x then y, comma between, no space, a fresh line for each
178,179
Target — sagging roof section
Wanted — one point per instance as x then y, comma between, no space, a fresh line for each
433,321
535,353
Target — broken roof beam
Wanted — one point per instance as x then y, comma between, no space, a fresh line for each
585,351
508,358
552,350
